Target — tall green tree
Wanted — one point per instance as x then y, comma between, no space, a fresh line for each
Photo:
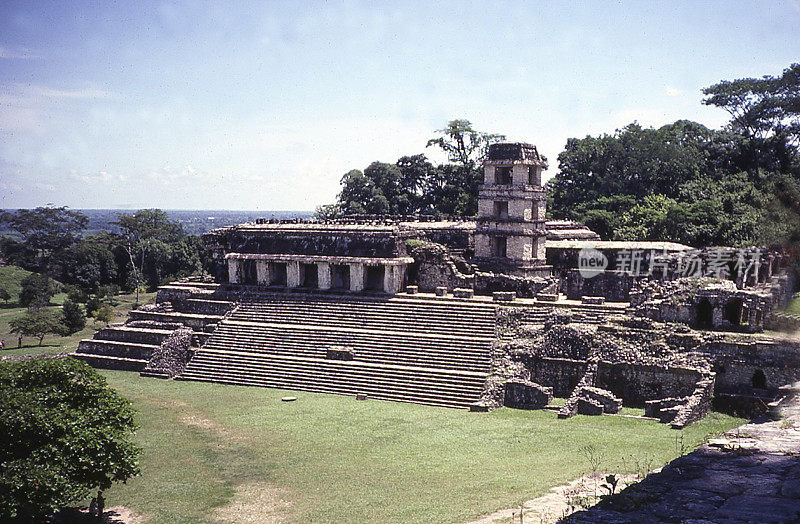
157,248
37,290
64,434
46,230
761,107
74,317
38,323
463,144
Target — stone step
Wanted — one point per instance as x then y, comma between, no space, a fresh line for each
111,362
390,382
368,346
234,343
445,325
224,362
133,334
116,349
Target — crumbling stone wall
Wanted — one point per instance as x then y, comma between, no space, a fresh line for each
486,283
636,383
434,266
615,286
173,354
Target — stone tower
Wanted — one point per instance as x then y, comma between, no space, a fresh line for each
511,233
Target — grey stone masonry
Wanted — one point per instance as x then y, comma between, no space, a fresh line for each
752,475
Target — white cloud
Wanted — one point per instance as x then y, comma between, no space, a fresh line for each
170,175
103,177
44,187
672,91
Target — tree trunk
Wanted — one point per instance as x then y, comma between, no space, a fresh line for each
41,338
101,505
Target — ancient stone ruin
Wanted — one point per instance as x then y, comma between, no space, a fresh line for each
506,310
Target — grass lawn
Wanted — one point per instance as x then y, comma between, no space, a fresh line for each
11,278
53,344
214,451
793,307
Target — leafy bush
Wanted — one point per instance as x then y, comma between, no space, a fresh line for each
63,434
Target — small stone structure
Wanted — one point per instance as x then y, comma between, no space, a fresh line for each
524,394
340,353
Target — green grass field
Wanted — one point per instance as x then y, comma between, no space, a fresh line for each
215,451
53,344
794,307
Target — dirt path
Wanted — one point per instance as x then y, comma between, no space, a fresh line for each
561,501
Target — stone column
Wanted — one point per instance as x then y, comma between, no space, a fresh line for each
263,272
233,270
356,277
323,275
293,274
717,317
392,278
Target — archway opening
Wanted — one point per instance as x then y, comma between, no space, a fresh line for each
759,380
733,311
704,314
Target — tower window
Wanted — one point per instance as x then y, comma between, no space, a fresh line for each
500,246
501,209
532,178
502,176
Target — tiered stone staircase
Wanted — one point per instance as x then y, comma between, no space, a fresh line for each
433,352
121,347
129,346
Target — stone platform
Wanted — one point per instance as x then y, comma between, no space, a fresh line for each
752,475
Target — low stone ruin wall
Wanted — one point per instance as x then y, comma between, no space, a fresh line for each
560,374
637,383
760,364
783,322
487,283
172,355
524,394
697,405
615,286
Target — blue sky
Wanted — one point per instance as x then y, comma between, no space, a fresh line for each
223,105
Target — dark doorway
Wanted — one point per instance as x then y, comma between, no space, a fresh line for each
733,311
278,274
705,314
340,276
309,275
501,209
759,380
500,247
249,275
374,278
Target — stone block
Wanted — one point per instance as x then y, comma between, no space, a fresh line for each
593,300
653,408
479,407
340,353
440,291
523,394
462,292
547,297
610,403
504,296
587,406
412,290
